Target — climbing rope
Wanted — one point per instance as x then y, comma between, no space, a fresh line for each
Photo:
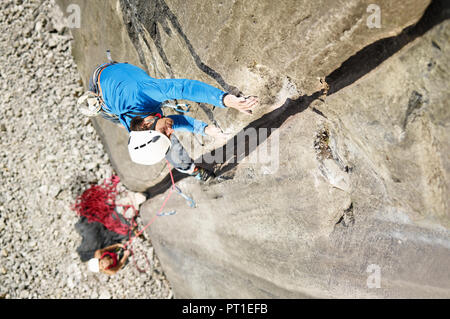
146,260
160,210
97,204
129,244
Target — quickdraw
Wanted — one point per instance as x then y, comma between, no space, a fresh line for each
173,212
178,107
189,200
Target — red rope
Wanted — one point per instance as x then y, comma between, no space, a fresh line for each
146,260
97,204
160,210
150,222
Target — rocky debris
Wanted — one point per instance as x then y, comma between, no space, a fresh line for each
49,154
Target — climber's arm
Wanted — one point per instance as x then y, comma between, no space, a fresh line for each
119,265
187,124
99,252
193,90
114,246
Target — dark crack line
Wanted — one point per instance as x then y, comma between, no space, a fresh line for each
148,18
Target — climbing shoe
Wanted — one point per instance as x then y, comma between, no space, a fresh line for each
203,174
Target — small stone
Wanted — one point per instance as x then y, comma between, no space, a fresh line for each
54,190
53,42
43,189
119,210
24,294
104,294
129,213
51,158
38,26
138,199
91,166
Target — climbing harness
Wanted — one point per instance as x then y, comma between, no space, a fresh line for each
96,91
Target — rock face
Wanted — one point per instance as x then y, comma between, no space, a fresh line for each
343,194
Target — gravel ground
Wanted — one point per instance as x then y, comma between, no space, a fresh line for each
49,154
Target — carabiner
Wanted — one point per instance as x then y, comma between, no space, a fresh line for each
178,107
167,214
189,200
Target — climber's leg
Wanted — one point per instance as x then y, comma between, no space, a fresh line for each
179,158
182,162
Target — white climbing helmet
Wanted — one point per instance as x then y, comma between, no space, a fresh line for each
89,104
148,147
93,265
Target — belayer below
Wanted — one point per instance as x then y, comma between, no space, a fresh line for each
109,260
126,94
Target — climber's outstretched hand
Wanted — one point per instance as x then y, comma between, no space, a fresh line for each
242,104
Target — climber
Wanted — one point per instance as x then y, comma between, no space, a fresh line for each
122,92
152,139
107,259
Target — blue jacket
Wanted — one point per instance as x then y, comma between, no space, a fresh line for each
127,88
